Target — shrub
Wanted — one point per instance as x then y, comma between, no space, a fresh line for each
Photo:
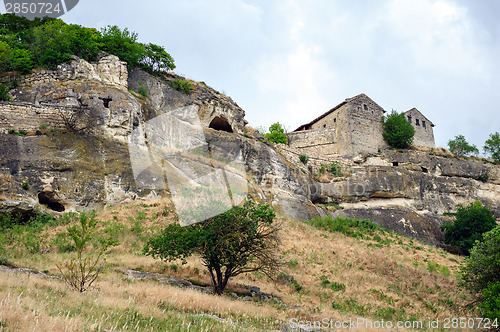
398,132
26,185
142,90
335,168
240,240
83,270
182,85
460,147
4,93
470,223
276,134
492,146
481,273
303,158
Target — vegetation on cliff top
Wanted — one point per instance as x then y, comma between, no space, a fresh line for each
398,132
48,42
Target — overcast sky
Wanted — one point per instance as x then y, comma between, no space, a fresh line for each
291,61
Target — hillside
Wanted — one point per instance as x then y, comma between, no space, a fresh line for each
147,148
378,275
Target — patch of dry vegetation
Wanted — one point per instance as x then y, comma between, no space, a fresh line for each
378,275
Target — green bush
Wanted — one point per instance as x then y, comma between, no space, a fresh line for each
398,132
303,158
349,226
26,185
470,223
276,134
181,85
142,90
460,147
4,93
490,304
335,168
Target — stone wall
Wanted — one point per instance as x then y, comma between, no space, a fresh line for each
424,132
26,116
321,140
365,126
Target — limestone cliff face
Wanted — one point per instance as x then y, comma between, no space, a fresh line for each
408,191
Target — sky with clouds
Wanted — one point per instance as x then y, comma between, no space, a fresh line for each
289,61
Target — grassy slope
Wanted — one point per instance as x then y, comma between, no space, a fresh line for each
385,276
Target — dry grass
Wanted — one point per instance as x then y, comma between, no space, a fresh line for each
385,276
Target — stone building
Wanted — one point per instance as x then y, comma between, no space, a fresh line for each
353,126
424,134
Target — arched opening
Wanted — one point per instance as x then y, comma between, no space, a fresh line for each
220,123
50,200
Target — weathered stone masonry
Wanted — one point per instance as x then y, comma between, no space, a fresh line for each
25,116
352,127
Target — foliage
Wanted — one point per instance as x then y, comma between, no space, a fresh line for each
142,90
348,226
398,132
82,271
276,134
182,85
470,223
48,42
123,44
481,273
492,146
303,158
4,93
26,185
490,304
460,147
240,240
156,58
335,168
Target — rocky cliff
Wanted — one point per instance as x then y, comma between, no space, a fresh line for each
110,145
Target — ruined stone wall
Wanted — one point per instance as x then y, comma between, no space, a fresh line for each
314,141
26,116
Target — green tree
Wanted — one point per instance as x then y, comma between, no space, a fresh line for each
398,132
21,60
470,223
276,134
460,147
123,44
240,240
481,273
157,59
492,146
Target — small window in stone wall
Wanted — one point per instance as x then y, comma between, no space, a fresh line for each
423,124
335,120
417,122
409,119
324,126
365,107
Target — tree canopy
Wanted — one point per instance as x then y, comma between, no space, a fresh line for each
470,223
398,132
276,134
460,147
492,146
242,239
48,42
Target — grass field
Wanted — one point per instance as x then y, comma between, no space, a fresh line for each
339,272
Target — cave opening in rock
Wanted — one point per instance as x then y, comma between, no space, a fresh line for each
220,123
49,199
106,101
395,163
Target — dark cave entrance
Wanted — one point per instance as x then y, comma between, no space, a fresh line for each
220,123
49,199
